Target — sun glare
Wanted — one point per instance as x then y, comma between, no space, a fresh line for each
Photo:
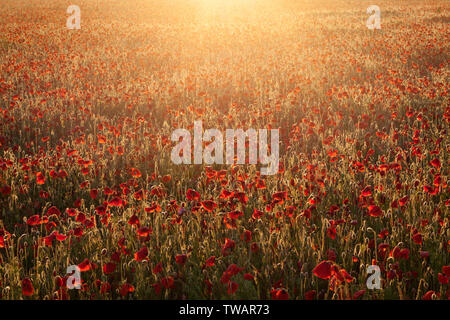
226,6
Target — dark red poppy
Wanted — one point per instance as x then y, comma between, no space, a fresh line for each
141,254
6,190
134,220
358,294
158,268
403,201
93,193
181,259
323,270
125,289
116,202
428,295
208,205
279,294
34,220
27,287
136,173
375,211
168,282
144,231
85,265
436,163
232,287
249,277
442,278
109,268
192,195
40,179
228,247
417,238
210,261
446,270
367,191
310,295
257,214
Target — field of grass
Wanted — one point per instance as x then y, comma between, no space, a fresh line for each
86,178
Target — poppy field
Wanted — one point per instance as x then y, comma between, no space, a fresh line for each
87,183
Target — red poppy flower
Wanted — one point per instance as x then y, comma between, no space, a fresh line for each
446,270
257,214
34,220
228,247
153,208
168,282
53,211
225,194
53,174
116,202
78,232
233,269
430,189
144,231
331,255
261,184
246,236
158,268
208,205
331,232
181,259
192,195
101,138
136,173
417,238
108,191
323,270
27,287
157,287
40,179
85,265
436,163
279,294
93,193
345,276
141,254
249,277
225,277
232,287
6,190
367,191
358,294
105,288
101,210
310,295
109,268
125,289
442,278
280,196
63,173
375,211
210,261
404,253
428,295
403,201
241,196
134,220
139,195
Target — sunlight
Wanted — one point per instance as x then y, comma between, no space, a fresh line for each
225,6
